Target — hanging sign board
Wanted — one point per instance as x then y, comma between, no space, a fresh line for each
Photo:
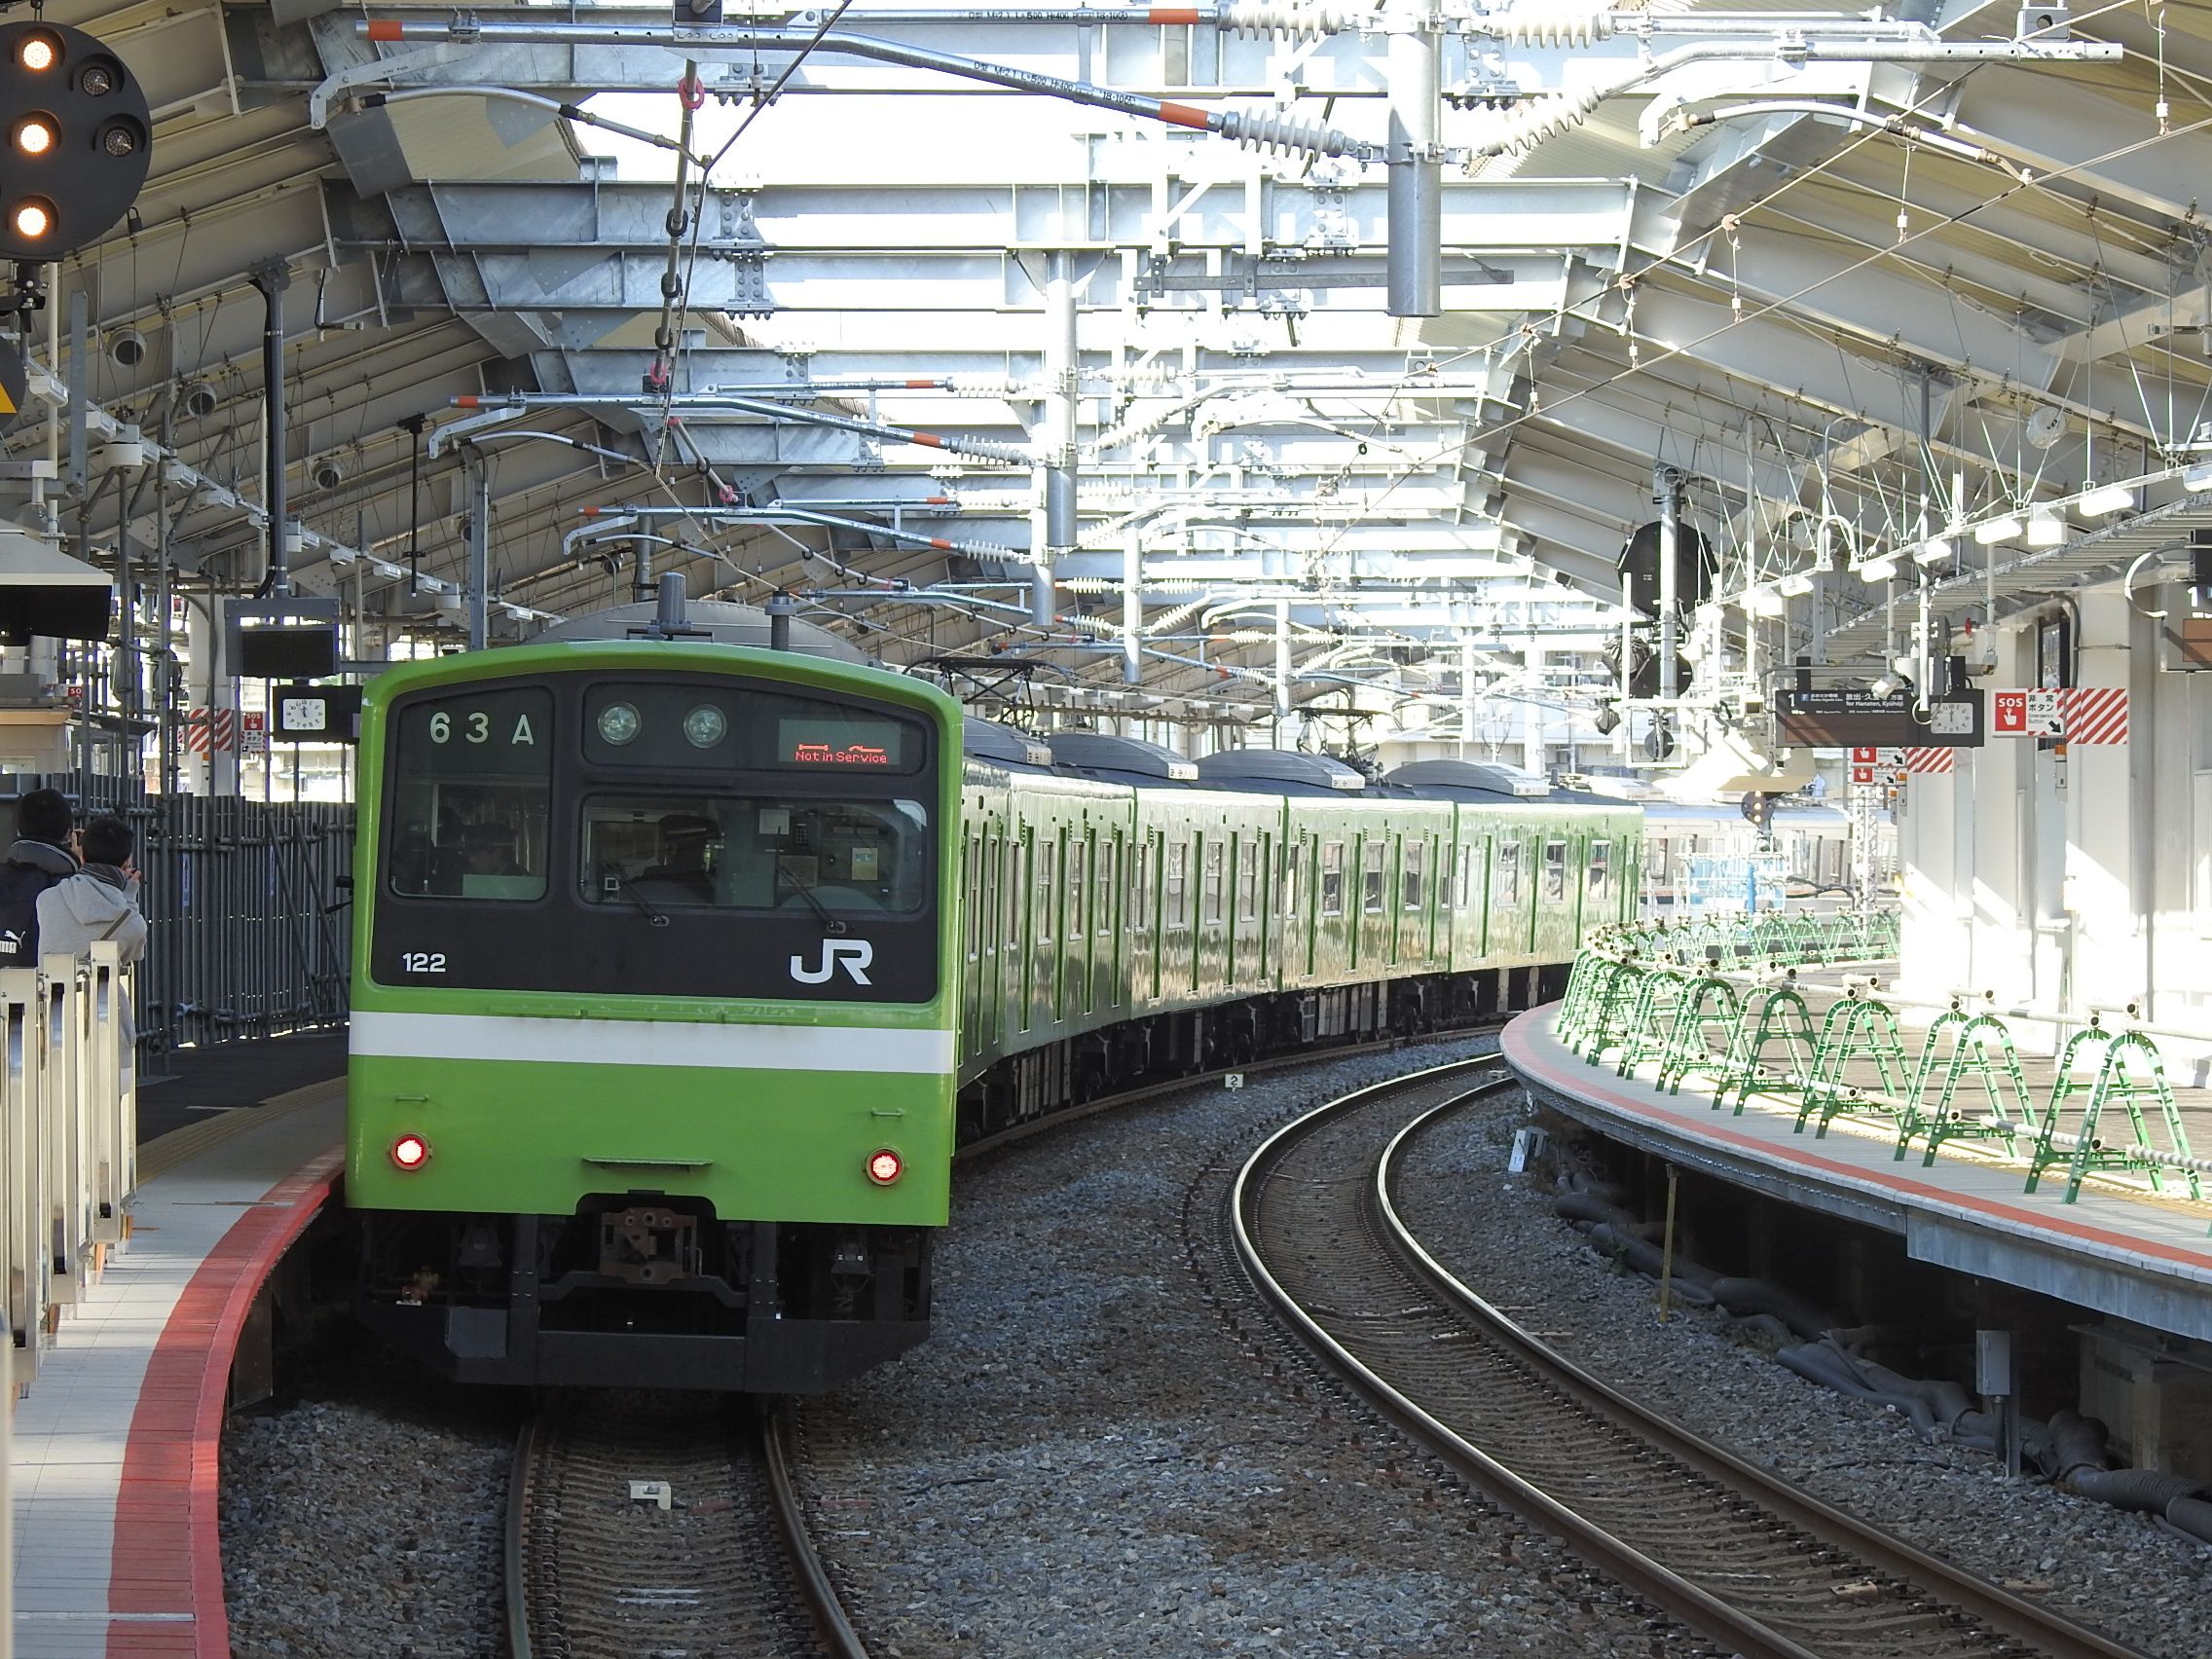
1842,717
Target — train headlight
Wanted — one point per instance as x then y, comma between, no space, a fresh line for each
410,1152
885,1167
704,727
618,724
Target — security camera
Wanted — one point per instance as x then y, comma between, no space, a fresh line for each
200,400
326,472
127,348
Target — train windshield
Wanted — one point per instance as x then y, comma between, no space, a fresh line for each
756,853
471,795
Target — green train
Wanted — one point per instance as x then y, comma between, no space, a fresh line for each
682,966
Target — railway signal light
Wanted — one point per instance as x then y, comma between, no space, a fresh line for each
78,152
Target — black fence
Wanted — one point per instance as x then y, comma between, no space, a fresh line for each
250,925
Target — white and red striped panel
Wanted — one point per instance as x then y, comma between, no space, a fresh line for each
2094,714
216,729
1929,759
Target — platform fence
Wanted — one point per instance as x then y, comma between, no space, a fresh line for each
68,1137
1714,1006
247,928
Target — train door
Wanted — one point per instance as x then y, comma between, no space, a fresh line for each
1244,926
1209,959
1598,906
1017,935
1045,897
970,978
1143,936
1334,949
1293,957
1077,994
1175,941
1556,902
1106,919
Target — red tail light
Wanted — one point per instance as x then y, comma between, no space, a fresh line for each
885,1167
411,1152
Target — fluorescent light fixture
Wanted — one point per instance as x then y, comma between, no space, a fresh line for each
2108,499
1936,550
1764,602
1799,584
2199,478
2006,528
1882,570
2045,530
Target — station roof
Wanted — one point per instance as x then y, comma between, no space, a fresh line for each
1853,304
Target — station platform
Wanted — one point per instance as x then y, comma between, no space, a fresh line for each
2132,1254
114,1455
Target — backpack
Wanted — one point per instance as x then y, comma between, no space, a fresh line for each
20,884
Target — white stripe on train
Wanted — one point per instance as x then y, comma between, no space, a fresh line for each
650,1043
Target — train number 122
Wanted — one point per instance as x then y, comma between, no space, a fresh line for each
421,962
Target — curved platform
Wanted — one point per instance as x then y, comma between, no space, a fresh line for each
116,1450
2139,1258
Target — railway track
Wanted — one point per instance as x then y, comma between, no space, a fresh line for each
662,1528
1740,1556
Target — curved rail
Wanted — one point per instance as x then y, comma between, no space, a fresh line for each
1741,1555
650,1532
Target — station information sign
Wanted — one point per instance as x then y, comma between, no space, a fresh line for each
1844,717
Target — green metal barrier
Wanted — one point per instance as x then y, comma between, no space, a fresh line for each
1710,1008
1971,1041
1857,1028
1782,1018
2115,1085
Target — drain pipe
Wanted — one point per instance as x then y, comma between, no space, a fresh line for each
272,280
782,607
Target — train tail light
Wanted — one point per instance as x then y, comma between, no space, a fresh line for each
885,1167
410,1152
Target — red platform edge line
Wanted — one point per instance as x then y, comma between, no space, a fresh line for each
1515,1044
167,1554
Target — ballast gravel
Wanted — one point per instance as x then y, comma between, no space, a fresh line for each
1090,1457
364,1517
2120,1572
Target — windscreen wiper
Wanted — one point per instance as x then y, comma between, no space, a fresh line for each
832,925
629,888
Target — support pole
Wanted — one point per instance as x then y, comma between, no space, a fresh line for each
1282,668
1467,698
272,280
479,551
1132,607
1414,265
1666,1251
1666,494
1059,423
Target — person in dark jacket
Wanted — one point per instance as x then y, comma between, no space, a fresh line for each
40,857
101,902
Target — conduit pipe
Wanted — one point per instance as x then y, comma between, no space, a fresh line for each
975,449
1256,128
614,518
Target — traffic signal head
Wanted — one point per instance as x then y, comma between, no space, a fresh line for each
78,145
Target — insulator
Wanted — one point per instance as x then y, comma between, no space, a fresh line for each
982,386
1518,131
1262,130
1287,18
1526,25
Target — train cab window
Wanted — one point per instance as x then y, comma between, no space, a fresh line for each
1247,880
1555,872
755,853
1079,885
1333,878
471,793
1215,854
1179,884
1509,875
1601,858
1372,856
1416,856
1293,854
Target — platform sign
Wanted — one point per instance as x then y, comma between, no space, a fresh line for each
1843,717
255,726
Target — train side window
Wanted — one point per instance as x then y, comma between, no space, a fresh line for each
1291,853
1333,878
1078,884
1555,872
1416,856
1216,853
1372,856
1509,875
1047,890
1247,880
1601,857
1179,884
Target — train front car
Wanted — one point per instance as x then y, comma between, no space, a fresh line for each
652,1047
